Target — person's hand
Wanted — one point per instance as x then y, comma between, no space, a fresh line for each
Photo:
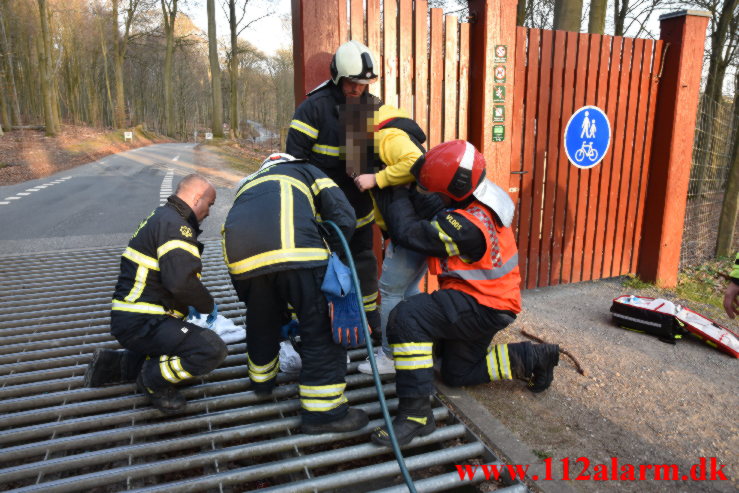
731,300
365,182
212,317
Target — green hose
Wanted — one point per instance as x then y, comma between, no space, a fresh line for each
371,353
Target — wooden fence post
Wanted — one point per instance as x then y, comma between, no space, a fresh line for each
319,27
493,25
684,33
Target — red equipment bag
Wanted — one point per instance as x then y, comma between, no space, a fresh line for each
653,316
709,331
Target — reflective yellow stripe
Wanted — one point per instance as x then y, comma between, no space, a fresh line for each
413,363
364,221
261,368
451,248
176,364
422,421
141,259
327,150
499,366
370,302
263,373
223,243
322,184
138,285
412,348
141,307
304,128
287,231
165,370
277,256
280,178
172,244
322,390
322,405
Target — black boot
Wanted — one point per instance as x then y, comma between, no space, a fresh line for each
355,419
165,398
415,418
546,357
106,368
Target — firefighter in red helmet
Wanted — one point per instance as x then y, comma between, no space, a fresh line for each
472,250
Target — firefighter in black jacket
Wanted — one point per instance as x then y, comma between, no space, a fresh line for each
318,133
276,256
158,283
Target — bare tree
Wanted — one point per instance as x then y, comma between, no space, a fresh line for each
44,47
7,53
597,16
567,15
169,11
215,72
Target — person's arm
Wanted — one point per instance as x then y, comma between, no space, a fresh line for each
180,267
446,234
399,153
731,296
303,131
332,204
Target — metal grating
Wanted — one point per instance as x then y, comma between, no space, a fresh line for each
56,435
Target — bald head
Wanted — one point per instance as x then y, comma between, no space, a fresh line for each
197,192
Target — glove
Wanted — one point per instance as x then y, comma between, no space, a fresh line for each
346,321
344,304
290,329
192,313
212,317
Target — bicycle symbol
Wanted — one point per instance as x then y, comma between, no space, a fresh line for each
586,151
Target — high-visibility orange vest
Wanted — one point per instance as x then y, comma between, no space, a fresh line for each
494,280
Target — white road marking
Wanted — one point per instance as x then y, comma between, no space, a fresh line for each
166,189
4,203
12,198
23,194
176,158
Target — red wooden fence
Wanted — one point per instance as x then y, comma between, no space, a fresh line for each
577,224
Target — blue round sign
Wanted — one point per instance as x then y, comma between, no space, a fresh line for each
587,136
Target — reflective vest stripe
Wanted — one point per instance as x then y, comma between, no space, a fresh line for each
277,256
280,178
363,221
484,274
138,285
304,128
287,230
141,307
322,390
412,348
322,405
322,184
413,363
451,247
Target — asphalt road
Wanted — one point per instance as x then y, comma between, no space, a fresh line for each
98,204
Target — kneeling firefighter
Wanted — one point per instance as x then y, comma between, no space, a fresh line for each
277,256
472,250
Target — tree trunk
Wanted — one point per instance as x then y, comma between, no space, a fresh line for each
170,15
215,72
521,12
119,110
45,72
620,8
15,113
567,15
233,68
597,18
727,221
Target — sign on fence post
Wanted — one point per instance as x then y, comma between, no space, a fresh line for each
127,136
208,136
587,136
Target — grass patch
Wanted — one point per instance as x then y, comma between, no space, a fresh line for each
704,283
633,282
234,156
542,454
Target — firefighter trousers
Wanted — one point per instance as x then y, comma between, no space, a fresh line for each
321,383
453,326
168,350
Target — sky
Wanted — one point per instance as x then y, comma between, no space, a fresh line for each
268,34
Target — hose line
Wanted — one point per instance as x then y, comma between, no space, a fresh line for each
371,354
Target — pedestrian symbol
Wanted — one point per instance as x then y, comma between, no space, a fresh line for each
587,137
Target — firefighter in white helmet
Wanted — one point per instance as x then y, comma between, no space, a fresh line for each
319,134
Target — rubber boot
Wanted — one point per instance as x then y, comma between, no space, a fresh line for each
162,394
414,418
546,357
354,419
107,368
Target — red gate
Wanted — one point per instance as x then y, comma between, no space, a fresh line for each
579,224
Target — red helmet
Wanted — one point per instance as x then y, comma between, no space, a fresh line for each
453,168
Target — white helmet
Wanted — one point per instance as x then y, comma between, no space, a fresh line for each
354,61
272,159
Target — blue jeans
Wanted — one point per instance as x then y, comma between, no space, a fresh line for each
402,271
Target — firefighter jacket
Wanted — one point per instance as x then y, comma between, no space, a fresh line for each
273,224
469,249
317,135
160,268
398,143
